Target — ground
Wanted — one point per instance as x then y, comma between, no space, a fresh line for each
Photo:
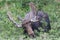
8,31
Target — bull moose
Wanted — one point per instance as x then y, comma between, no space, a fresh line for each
32,20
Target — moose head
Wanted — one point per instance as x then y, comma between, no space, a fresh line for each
32,20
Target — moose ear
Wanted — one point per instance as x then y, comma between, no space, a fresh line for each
33,8
32,5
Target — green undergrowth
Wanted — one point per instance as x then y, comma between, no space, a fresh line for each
8,31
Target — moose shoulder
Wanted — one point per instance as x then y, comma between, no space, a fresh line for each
40,16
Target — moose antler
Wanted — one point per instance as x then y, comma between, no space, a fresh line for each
11,18
19,17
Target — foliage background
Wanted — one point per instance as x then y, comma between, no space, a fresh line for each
8,31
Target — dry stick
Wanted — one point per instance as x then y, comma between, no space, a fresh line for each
11,18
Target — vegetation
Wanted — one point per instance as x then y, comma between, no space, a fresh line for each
8,31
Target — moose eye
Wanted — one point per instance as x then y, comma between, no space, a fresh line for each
37,17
